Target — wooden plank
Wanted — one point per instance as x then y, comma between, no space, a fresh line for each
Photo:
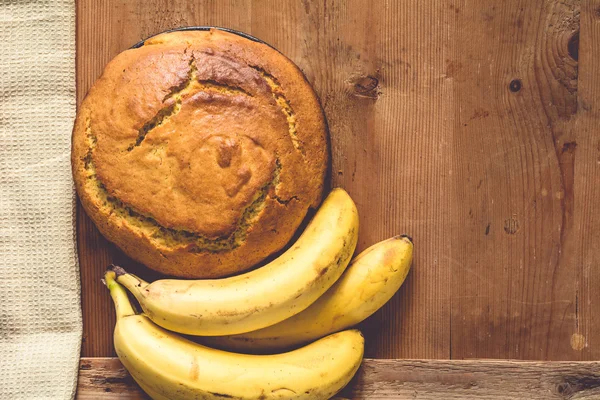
406,379
513,270
496,183
528,214
586,177
93,52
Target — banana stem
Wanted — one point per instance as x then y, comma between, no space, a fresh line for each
123,306
133,283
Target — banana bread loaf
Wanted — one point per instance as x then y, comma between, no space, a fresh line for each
200,152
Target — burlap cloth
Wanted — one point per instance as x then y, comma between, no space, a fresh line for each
40,312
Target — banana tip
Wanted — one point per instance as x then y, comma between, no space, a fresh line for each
117,270
404,236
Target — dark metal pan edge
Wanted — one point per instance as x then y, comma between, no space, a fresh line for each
203,28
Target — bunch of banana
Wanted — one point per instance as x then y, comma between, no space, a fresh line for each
169,367
301,297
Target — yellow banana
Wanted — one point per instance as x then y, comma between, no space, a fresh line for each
262,297
367,284
167,366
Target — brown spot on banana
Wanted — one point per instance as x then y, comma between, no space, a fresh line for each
223,395
194,370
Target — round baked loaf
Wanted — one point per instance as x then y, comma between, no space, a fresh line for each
200,152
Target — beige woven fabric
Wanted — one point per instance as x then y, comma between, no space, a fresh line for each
40,313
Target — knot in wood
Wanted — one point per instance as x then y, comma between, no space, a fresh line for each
573,46
515,85
367,86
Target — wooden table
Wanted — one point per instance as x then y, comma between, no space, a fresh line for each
473,126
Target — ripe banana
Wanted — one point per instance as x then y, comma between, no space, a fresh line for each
167,366
367,284
262,297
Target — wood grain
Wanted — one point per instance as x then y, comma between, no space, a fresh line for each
470,125
514,147
101,378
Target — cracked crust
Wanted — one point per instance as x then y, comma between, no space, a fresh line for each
199,153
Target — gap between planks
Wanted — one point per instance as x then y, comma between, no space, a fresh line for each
105,378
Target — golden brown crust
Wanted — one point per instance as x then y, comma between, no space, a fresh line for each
199,153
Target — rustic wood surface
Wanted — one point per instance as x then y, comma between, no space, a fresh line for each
101,378
470,125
